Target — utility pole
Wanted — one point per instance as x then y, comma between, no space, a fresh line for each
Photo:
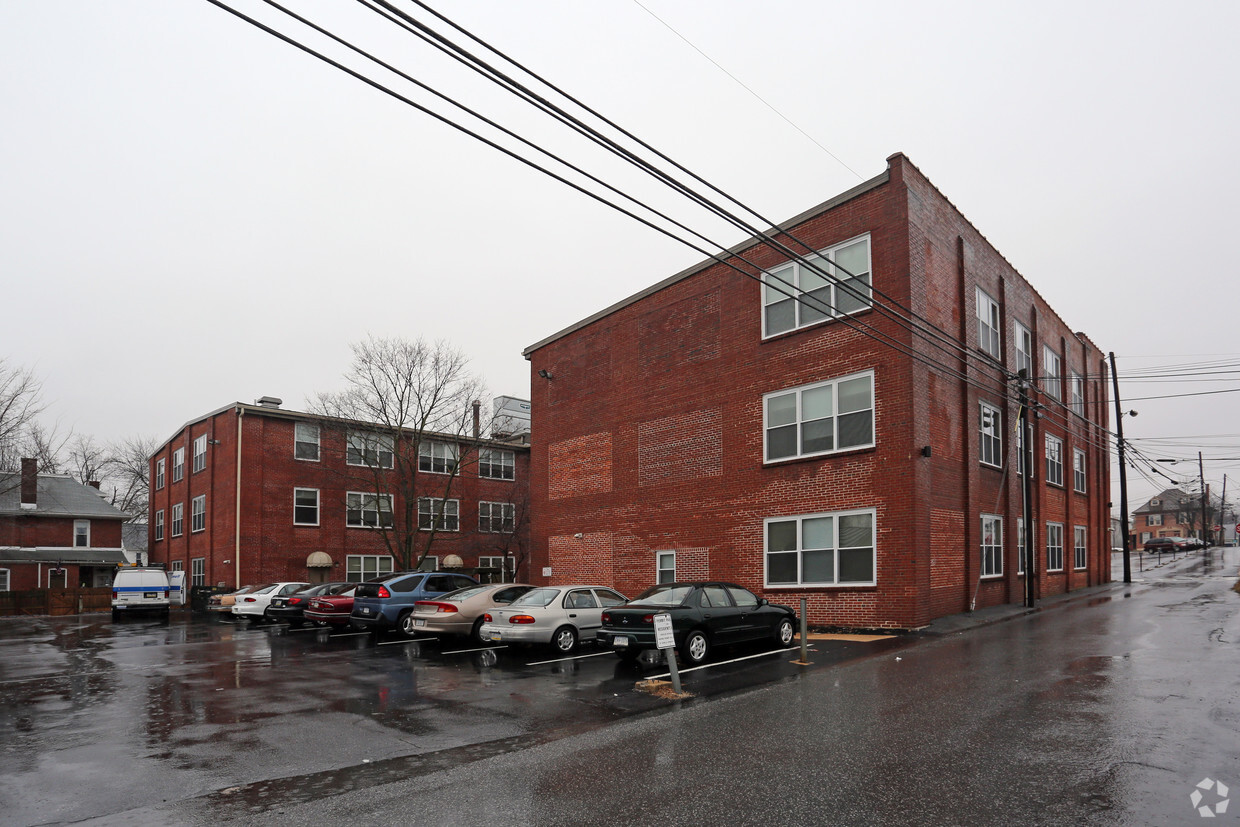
1026,492
1123,474
1222,514
1201,469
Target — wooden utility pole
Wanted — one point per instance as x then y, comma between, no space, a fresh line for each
1123,475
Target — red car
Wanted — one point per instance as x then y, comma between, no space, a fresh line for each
330,609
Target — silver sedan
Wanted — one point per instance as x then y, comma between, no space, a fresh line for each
461,612
559,615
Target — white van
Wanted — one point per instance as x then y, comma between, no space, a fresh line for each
177,589
137,589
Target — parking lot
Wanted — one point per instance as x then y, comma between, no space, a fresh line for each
105,718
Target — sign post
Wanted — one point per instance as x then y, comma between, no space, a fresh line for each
666,642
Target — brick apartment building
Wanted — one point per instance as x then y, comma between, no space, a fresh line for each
56,532
1175,513
711,427
312,495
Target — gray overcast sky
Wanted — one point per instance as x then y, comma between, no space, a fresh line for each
195,213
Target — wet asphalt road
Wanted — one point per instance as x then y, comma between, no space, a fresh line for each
1106,707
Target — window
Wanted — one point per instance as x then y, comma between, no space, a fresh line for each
178,464
836,283
1054,460
430,563
159,474
198,513
1076,393
368,510
991,436
177,565
1146,535
821,550
1153,519
496,518
306,441
1078,470
438,513
1054,547
200,453
1051,372
81,533
989,337
504,564
198,571
1078,547
359,567
178,519
159,524
820,419
371,450
1020,545
4,580
992,545
437,457
1024,350
497,464
305,506
665,566
1023,460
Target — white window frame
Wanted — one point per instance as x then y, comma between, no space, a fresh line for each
1080,549
992,551
178,465
307,438
159,525
1054,547
198,514
799,423
1052,370
435,457
1054,460
1153,519
506,563
178,519
1020,546
364,503
359,567
800,550
198,571
6,580
1079,477
1076,393
989,326
990,435
506,517
303,507
1021,457
1024,349
497,464
447,515
200,454
429,563
813,299
159,474
663,572
1146,535
81,530
367,449
176,565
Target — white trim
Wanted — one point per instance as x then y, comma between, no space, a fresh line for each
787,276
6,580
76,525
1083,532
996,545
799,519
658,565
317,506
197,512
1049,527
377,498
994,332
318,441
995,434
799,421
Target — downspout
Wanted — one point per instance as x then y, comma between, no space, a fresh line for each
237,506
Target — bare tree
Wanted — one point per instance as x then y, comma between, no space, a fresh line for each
21,404
408,405
128,473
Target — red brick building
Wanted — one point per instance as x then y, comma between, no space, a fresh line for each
56,532
803,441
315,497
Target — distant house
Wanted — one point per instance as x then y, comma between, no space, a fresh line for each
56,532
1173,513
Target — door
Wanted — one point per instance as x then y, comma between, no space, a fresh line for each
722,617
584,612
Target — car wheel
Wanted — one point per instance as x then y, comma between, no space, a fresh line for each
565,639
697,646
785,632
475,634
405,622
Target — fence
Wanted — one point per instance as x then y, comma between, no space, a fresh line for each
55,601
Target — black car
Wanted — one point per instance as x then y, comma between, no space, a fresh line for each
704,615
291,608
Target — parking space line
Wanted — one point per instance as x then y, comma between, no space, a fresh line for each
577,657
350,634
724,662
463,651
307,629
410,640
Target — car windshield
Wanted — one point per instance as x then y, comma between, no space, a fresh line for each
343,588
667,595
537,597
464,594
265,589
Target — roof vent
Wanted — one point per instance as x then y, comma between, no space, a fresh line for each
269,401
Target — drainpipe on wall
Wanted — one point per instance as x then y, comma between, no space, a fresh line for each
237,506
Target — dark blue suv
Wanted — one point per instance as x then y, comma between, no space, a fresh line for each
388,603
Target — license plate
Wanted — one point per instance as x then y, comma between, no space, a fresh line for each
495,636
620,642
150,595
419,623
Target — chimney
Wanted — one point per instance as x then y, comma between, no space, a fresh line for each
93,484
30,483
269,401
477,418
